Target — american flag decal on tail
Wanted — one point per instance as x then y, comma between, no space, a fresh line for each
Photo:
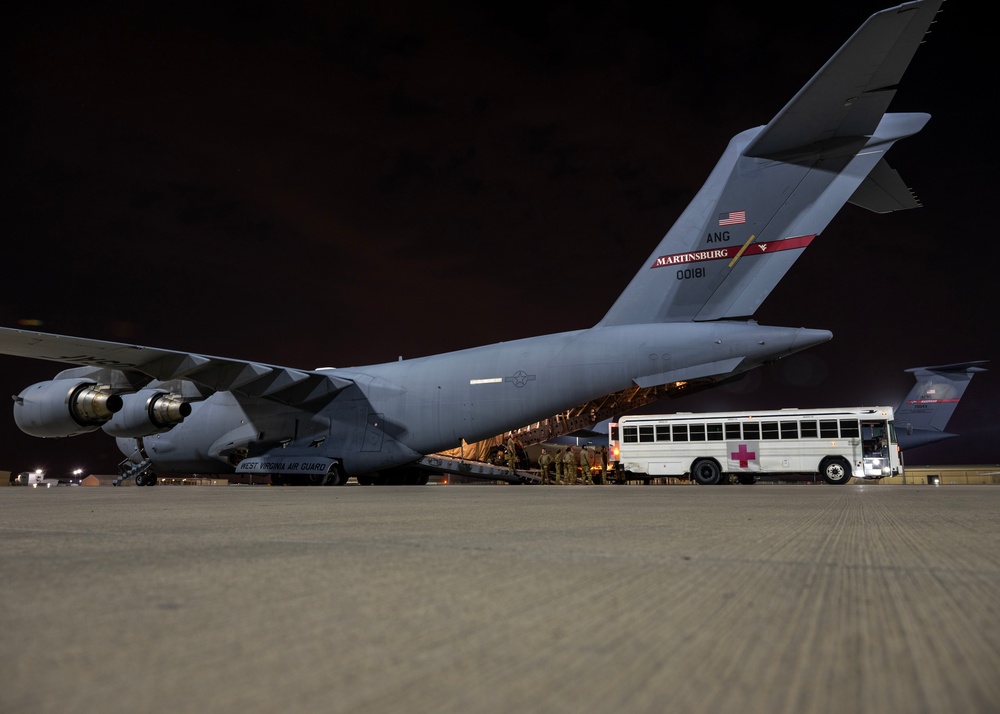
732,218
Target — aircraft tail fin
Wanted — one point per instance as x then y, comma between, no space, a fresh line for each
777,187
926,410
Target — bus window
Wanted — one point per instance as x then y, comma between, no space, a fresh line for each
697,432
789,430
630,434
769,430
828,429
849,428
662,432
645,434
733,431
874,435
680,432
808,429
714,432
751,430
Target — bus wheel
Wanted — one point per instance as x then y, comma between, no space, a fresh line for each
706,472
836,471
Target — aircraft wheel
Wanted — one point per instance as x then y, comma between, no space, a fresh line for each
836,471
366,480
140,480
334,477
706,472
747,479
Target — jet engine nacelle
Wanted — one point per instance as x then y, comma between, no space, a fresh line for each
64,407
148,411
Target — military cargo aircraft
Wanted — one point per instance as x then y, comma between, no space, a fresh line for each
686,315
923,415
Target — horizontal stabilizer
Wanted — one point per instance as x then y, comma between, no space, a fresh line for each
884,191
971,367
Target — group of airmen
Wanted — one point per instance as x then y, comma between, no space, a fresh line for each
570,467
573,467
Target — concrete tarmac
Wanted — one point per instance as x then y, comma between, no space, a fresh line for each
805,598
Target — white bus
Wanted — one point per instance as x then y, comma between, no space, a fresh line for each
837,444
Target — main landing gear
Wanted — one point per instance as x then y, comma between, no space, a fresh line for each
333,477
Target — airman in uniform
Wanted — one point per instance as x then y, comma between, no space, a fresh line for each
569,466
511,454
604,465
586,476
544,461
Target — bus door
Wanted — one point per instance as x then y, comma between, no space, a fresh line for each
875,441
614,451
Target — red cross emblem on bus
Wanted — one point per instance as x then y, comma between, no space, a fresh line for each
743,456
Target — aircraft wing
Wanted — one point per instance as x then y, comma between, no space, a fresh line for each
142,365
848,97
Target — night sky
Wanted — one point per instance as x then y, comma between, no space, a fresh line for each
335,184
